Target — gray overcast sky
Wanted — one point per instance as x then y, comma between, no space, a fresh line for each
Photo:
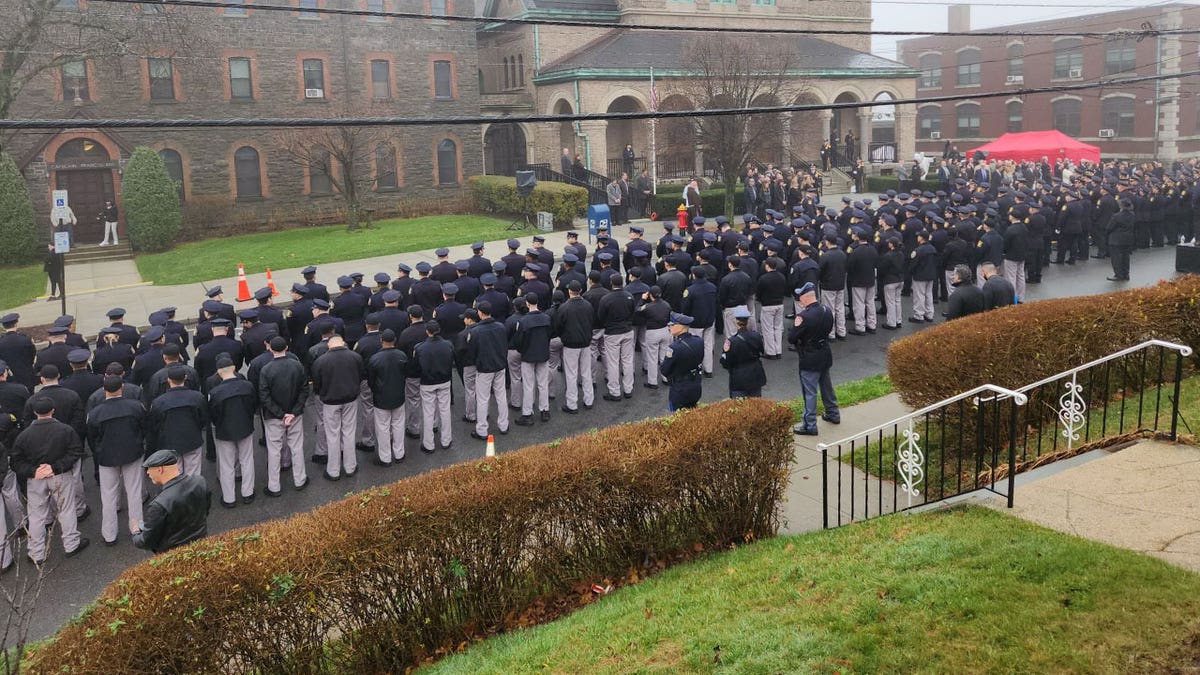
897,15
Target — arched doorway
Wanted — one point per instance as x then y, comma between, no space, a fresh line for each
844,120
566,131
882,146
503,149
84,168
626,132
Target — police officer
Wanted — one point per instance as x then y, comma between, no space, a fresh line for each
682,364
109,349
217,298
741,355
1120,230
385,376
45,455
531,339
403,284
179,514
477,264
255,332
316,291
73,338
443,271
336,380
435,365
298,318
655,314
150,361
700,304
392,317
382,285
116,436
282,395
615,315
810,334
351,308
178,420
232,405
17,350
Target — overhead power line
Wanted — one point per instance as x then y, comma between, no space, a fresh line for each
462,120
1140,33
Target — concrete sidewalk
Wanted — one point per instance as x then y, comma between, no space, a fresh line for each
803,502
1141,498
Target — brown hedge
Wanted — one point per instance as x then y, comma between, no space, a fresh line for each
385,577
1021,344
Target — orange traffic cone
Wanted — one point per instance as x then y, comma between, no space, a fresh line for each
243,285
271,283
491,447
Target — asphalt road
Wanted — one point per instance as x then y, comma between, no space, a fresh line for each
74,583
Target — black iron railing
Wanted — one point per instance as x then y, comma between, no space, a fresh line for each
633,167
981,439
544,172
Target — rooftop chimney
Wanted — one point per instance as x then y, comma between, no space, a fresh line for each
959,18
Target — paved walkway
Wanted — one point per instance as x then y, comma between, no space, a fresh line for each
1141,498
802,505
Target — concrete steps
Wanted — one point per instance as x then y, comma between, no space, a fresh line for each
97,253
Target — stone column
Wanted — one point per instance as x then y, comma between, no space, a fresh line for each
864,134
596,132
785,128
826,117
906,133
1168,91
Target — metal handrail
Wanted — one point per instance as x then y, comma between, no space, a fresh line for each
1183,350
1018,397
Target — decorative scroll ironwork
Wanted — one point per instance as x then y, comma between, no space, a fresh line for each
1071,411
910,462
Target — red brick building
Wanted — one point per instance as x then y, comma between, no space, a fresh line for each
1121,120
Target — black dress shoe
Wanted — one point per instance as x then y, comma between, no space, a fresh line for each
587,406
708,375
871,331
569,411
888,326
299,488
350,474
229,505
447,446
109,543
83,543
545,415
330,477
87,511
248,499
628,394
801,431
412,435
831,420
914,319
856,332
607,397
271,493
428,451
524,421
320,459
477,436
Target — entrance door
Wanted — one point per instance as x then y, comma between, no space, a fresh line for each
87,191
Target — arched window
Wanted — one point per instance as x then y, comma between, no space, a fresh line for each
929,121
968,120
247,172
507,81
1067,112
1016,60
1016,113
385,167
319,181
931,71
447,162
968,67
174,164
1120,56
520,70
1068,58
1116,113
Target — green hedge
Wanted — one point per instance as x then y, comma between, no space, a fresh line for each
665,204
385,578
18,229
498,194
878,184
151,202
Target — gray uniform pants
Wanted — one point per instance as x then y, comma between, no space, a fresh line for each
922,295
597,343
112,480
863,300
707,334
555,362
729,322
654,350
891,301
340,432
40,492
979,276
279,437
771,319
12,499
389,433
412,405
192,460
535,382
321,446
1014,271
435,410
230,455
470,378
577,367
366,414
949,281
488,385
836,302
80,502
618,362
514,378
6,553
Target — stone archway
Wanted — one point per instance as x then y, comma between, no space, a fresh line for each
882,146
676,140
503,149
807,130
566,130
620,133
85,168
844,120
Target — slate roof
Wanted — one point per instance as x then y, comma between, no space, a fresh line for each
631,49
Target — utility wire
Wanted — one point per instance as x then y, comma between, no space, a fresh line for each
1140,33
461,120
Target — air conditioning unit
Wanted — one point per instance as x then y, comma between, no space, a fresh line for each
1107,133
314,93
1075,73
935,135
1014,79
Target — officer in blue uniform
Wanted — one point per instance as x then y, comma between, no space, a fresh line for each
682,365
810,334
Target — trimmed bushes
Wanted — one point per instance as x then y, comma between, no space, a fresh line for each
385,577
498,194
1021,344
18,230
712,202
152,214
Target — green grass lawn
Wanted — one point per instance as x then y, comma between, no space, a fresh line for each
849,393
21,284
967,590
218,258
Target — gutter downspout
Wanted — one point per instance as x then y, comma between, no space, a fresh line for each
587,145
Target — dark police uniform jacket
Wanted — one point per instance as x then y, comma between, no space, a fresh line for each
742,357
811,337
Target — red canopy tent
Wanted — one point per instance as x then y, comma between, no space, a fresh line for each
1033,145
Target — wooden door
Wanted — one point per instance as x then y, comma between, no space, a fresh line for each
87,191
